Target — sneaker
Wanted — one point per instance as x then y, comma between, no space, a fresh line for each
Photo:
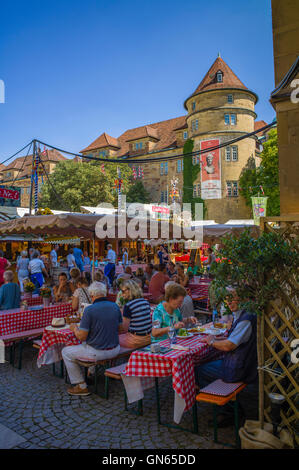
78,391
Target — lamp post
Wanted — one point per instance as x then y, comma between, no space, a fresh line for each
276,401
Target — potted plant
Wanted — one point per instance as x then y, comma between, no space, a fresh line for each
46,294
29,287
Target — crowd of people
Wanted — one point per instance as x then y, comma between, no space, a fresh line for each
129,322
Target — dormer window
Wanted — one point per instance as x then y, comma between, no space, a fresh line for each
138,145
219,76
102,153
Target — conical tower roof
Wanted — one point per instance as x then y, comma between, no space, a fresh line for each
229,79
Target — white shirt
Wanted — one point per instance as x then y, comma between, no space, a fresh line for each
54,258
70,260
111,256
36,266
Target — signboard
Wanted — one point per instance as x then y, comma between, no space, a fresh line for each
210,170
10,196
162,210
259,208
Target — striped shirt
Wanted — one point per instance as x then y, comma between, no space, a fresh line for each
139,313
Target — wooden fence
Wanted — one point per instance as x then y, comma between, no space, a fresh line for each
278,328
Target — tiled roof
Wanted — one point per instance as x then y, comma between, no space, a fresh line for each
209,82
145,131
104,140
163,130
259,125
18,163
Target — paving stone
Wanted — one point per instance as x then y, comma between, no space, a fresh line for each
39,410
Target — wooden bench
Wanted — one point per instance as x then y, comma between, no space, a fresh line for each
115,373
105,363
219,393
19,338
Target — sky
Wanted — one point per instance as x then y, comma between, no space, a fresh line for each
73,69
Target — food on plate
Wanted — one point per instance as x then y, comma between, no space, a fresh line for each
194,330
182,332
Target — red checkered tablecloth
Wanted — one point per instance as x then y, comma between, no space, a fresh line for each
52,338
36,300
179,364
23,320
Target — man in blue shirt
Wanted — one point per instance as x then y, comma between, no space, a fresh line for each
98,331
78,255
109,270
10,295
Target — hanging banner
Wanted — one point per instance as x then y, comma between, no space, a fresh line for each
259,208
210,170
10,196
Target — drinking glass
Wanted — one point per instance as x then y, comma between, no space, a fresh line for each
171,334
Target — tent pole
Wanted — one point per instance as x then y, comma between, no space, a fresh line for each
93,253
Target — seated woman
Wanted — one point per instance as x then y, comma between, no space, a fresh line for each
10,295
81,295
182,278
193,268
64,291
136,317
139,277
99,276
75,274
167,313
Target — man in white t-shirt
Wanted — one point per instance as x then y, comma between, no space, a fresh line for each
37,268
53,256
109,270
71,262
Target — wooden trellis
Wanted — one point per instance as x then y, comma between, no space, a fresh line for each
278,328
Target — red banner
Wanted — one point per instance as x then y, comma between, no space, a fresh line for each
9,193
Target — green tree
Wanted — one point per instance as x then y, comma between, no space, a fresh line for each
76,184
266,175
190,174
138,193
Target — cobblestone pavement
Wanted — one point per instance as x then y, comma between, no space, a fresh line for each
35,405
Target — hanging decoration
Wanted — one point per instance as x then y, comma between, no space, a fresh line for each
34,177
103,168
140,172
174,191
134,173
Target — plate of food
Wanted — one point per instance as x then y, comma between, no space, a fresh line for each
195,330
183,333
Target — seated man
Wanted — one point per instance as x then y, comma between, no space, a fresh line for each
149,272
239,362
99,328
10,294
157,283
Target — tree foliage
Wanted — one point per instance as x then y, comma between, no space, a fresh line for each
190,174
138,193
77,184
266,175
255,266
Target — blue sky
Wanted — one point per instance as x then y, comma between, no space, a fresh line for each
74,69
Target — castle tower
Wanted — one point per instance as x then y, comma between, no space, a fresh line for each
221,109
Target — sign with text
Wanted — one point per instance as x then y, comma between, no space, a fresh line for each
10,196
259,208
210,170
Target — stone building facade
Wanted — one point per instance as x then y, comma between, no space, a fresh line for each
222,108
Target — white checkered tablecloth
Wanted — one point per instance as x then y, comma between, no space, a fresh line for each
179,364
51,338
24,320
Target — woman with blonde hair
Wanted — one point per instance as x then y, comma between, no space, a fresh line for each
137,322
